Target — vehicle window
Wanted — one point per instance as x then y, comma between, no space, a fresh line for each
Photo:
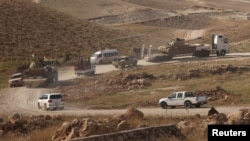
106,55
15,76
189,94
179,95
95,55
45,97
99,55
173,95
55,96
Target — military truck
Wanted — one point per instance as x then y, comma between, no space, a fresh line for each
40,73
181,47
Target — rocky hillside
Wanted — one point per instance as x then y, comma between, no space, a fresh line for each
26,27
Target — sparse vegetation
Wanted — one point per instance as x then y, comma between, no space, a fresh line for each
45,29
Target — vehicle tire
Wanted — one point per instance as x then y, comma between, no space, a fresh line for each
188,104
38,105
222,53
198,105
163,105
116,66
45,107
205,53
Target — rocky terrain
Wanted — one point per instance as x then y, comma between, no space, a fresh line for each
61,28
51,31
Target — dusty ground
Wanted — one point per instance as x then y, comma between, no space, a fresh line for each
82,27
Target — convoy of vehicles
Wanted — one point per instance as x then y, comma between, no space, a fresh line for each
51,101
124,61
16,80
84,67
182,98
104,56
43,71
176,47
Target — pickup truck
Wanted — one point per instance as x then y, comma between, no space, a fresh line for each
182,98
124,61
84,67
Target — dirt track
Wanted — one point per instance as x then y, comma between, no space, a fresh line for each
24,100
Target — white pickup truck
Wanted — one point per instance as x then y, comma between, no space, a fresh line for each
182,98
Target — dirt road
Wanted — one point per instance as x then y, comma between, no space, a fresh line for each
24,100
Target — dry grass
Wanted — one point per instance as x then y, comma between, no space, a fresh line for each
36,135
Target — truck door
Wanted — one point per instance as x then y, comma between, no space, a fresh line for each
179,99
172,99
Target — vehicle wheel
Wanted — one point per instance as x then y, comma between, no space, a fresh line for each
116,66
222,53
198,105
45,107
188,104
38,105
163,105
205,53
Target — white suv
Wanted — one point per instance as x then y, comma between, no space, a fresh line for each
51,101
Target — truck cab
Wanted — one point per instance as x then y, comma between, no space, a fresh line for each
182,98
220,44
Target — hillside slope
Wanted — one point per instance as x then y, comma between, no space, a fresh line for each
26,27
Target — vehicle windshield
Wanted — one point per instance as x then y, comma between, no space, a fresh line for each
96,55
16,76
